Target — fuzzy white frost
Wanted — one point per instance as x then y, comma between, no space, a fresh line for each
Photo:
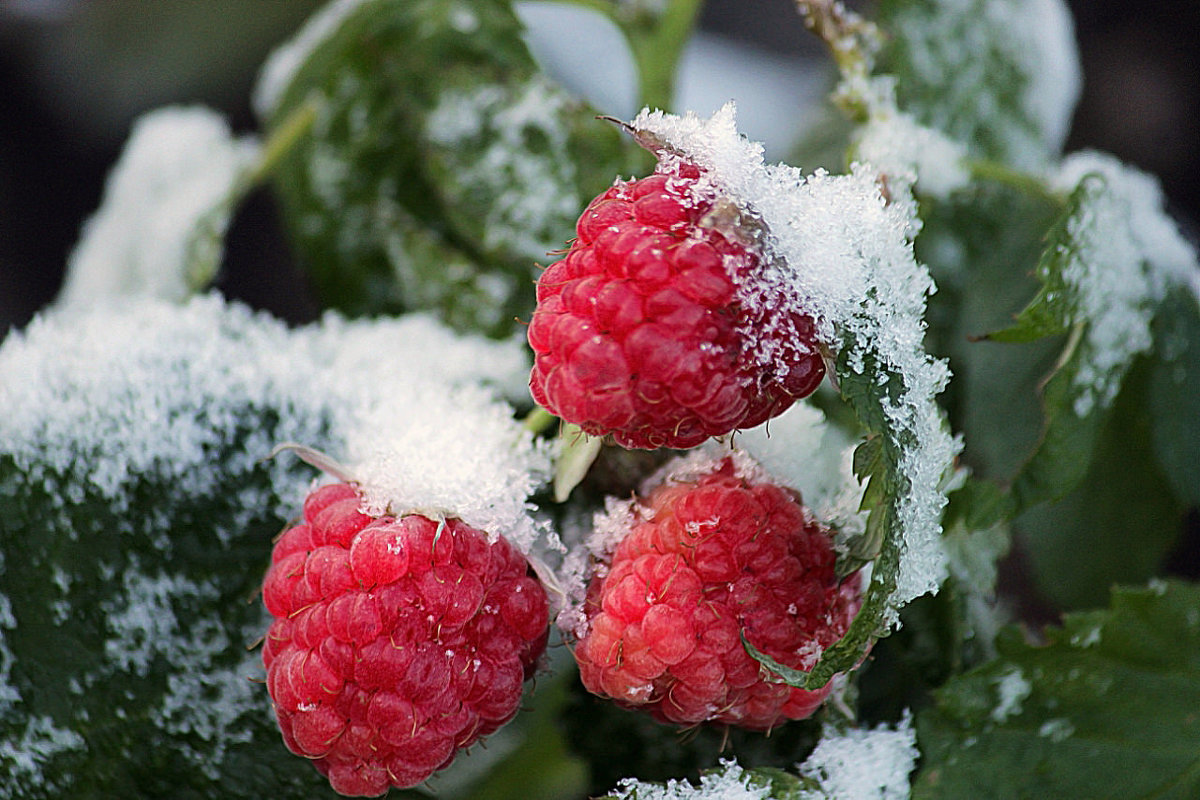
166,206
842,253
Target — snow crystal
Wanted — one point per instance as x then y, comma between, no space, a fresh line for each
730,782
25,758
1011,689
959,49
285,61
862,764
165,208
841,251
1126,253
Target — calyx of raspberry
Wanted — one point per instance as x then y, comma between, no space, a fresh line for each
397,641
705,564
655,327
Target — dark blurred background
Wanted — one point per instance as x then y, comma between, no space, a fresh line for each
73,75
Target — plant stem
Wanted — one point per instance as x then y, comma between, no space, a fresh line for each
1023,182
279,144
538,420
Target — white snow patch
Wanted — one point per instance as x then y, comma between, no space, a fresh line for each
25,758
1011,689
899,147
1127,252
862,764
92,400
166,205
729,782
1057,730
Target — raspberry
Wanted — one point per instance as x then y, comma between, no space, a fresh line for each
640,331
396,642
705,563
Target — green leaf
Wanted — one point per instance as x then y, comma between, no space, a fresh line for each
1053,310
1173,402
1104,709
441,165
1001,76
1119,523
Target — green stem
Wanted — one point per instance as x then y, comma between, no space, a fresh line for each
279,144
657,50
1023,182
539,420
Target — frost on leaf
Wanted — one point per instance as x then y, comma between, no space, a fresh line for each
501,153
1068,715
140,505
166,206
1122,254
1001,76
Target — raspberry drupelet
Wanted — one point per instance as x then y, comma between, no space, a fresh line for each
641,330
706,562
396,642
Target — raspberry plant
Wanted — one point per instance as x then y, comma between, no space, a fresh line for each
1010,338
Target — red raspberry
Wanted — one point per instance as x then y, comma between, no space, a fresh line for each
396,641
706,562
640,330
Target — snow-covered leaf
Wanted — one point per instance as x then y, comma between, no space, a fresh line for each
440,166
140,505
1000,76
161,228
1104,709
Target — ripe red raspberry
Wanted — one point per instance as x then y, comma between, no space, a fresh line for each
640,330
706,562
396,641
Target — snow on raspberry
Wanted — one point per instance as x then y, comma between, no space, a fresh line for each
839,248
640,332
713,553
397,641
